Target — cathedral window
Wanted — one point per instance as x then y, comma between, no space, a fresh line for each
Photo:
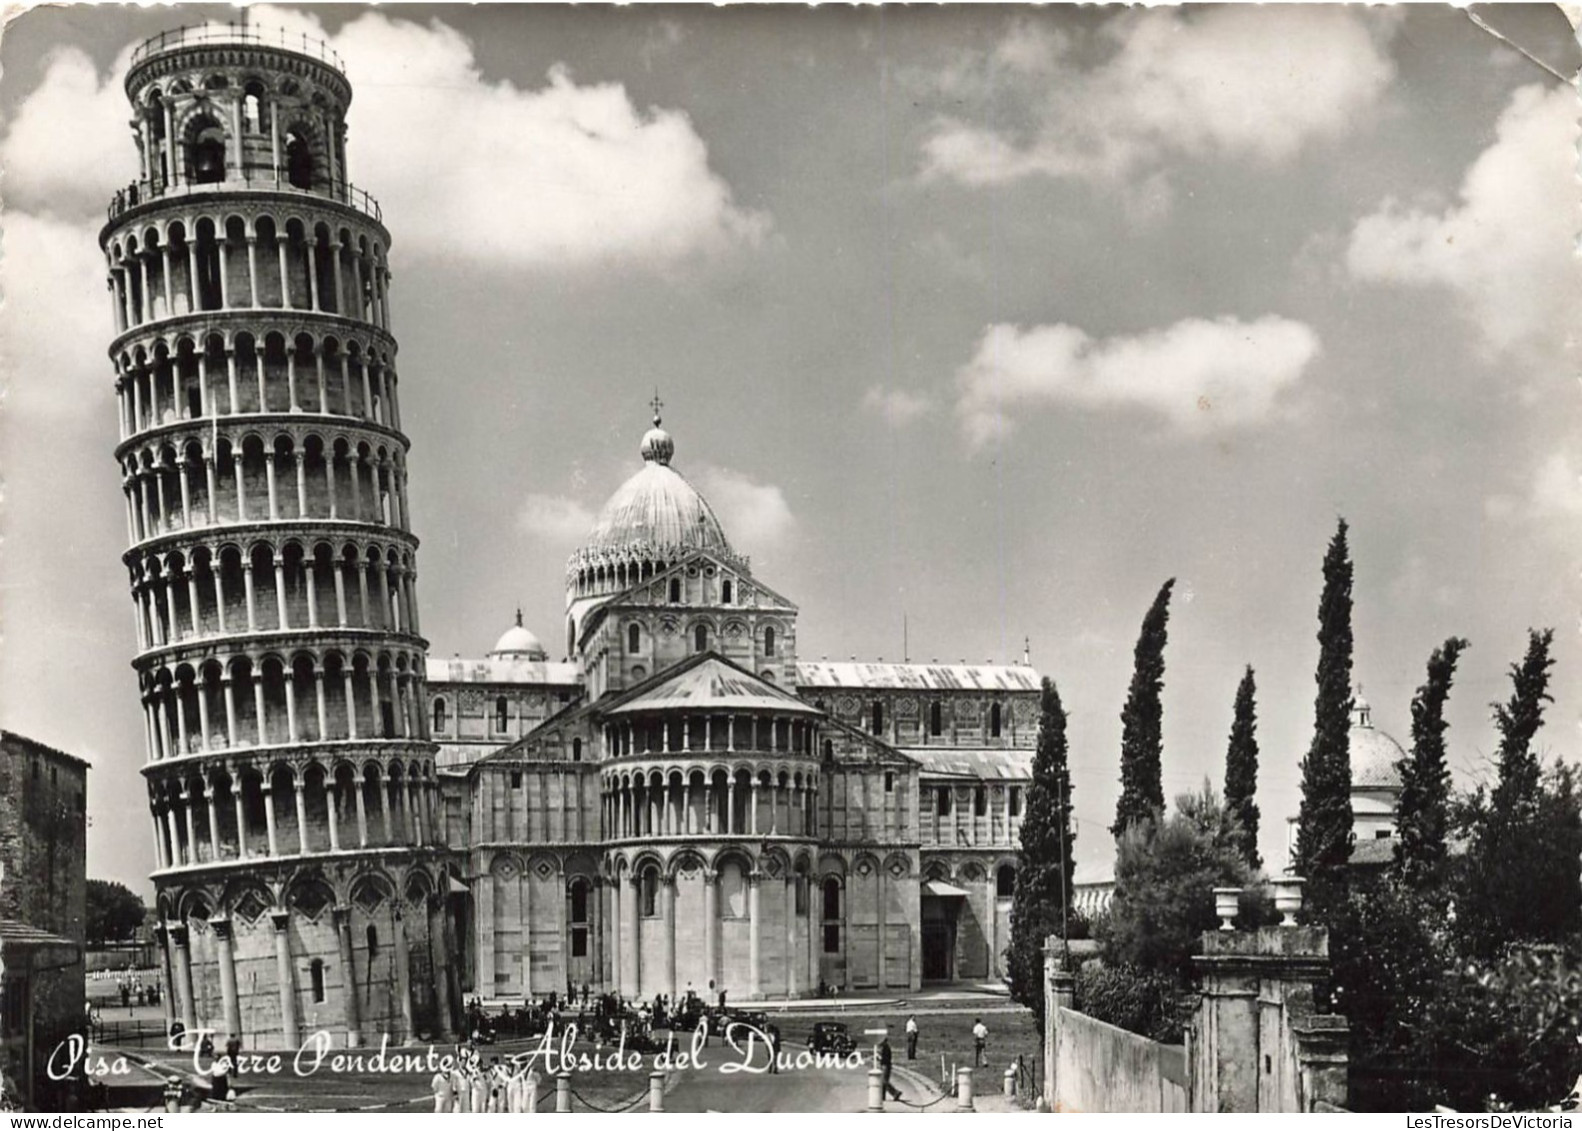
675,591
500,709
576,749
994,721
650,893
877,720
1016,801
832,918
829,749
316,978
516,779
936,719
439,714
1005,881
725,591
769,642
801,895
980,802
889,781
373,942
700,638
942,800
579,901
634,638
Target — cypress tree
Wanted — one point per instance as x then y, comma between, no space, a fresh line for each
1518,721
1512,889
1045,862
1142,740
1423,812
1241,769
1323,838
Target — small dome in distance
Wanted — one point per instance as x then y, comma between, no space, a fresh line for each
518,643
1374,754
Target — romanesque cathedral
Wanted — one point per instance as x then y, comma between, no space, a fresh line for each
354,837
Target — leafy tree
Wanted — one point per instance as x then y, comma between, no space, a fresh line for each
1423,812
1166,870
1518,884
1241,769
1142,740
1045,860
1324,837
114,913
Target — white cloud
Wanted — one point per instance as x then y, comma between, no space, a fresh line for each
1557,488
1256,82
897,407
555,518
1506,247
559,176
1200,375
755,515
67,147
55,317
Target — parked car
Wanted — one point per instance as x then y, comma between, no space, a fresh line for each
831,1036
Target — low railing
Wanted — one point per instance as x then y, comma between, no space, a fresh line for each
252,176
199,35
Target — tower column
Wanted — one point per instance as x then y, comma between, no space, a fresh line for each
349,1003
183,961
226,960
754,929
290,1031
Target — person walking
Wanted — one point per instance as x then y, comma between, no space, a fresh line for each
443,1097
886,1062
980,1041
772,1039
911,1037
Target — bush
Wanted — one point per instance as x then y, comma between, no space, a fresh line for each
1145,1002
1166,871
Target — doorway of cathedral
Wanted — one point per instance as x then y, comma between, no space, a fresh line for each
939,913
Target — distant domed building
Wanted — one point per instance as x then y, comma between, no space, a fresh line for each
1375,789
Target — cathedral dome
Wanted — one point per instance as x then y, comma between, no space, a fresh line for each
518,642
656,515
1373,753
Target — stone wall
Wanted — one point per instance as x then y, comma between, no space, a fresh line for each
43,866
1100,1068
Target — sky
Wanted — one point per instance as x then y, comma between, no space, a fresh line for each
984,321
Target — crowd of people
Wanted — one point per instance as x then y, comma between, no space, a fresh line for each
472,1086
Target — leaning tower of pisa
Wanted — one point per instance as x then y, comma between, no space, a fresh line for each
298,829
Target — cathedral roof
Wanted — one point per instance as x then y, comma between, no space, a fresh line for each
922,677
709,682
1014,764
502,669
656,515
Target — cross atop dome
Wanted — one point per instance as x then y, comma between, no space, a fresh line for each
657,446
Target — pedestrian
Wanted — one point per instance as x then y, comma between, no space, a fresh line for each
911,1037
126,994
233,1048
772,1039
480,1089
443,1096
886,1057
460,1092
980,1040
220,1077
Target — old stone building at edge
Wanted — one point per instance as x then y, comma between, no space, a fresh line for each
354,837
